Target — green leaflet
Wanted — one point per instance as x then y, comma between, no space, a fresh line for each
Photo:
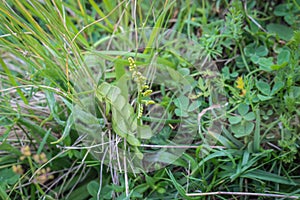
123,118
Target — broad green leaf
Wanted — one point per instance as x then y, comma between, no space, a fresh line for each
269,112
95,67
250,49
7,176
243,109
243,129
107,192
122,83
194,105
124,121
281,10
290,18
249,126
235,119
138,153
295,91
277,86
254,50
225,72
181,113
261,51
234,74
184,71
254,58
249,116
283,57
144,132
120,69
121,104
113,93
182,102
93,188
119,126
284,32
263,87
265,63
238,130
131,139
87,123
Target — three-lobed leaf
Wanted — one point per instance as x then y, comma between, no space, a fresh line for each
242,130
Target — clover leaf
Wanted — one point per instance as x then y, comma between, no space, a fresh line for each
182,103
183,106
266,114
266,91
265,63
288,11
242,124
226,73
255,52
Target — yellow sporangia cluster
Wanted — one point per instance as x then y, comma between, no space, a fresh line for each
136,75
25,150
18,169
241,85
40,158
43,174
143,88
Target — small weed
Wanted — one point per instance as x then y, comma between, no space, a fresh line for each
94,105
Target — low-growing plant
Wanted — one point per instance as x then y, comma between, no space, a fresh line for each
83,104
